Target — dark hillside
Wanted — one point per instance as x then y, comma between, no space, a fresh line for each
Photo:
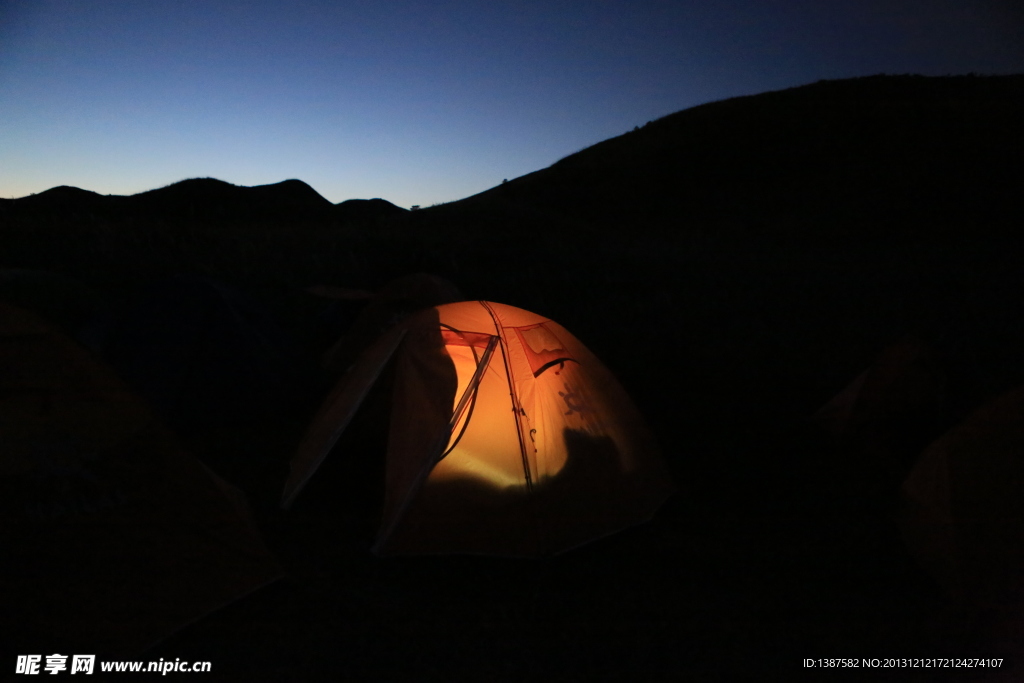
57,198
267,232
883,154
215,199
367,209
196,197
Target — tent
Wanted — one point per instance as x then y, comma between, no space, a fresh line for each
904,382
882,420
964,516
507,437
203,354
111,537
393,303
61,299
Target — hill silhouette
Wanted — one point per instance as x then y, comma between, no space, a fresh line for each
215,198
62,196
872,155
891,157
202,199
367,209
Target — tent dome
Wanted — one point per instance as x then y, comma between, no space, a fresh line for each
507,437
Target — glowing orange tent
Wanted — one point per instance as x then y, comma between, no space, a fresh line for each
508,437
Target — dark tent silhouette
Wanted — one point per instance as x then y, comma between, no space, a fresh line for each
63,300
112,536
203,354
880,422
508,437
964,517
389,306
904,381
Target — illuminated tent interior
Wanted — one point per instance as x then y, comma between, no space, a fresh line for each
112,536
507,437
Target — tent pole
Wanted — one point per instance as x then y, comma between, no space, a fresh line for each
517,409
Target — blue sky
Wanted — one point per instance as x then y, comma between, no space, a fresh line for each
420,102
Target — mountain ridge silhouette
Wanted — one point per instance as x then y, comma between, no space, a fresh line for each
829,158
209,197
880,146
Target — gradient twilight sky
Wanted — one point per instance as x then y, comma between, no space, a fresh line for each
420,102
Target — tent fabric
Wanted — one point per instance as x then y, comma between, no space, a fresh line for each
903,381
507,437
113,537
338,410
396,301
881,421
203,354
61,299
964,517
